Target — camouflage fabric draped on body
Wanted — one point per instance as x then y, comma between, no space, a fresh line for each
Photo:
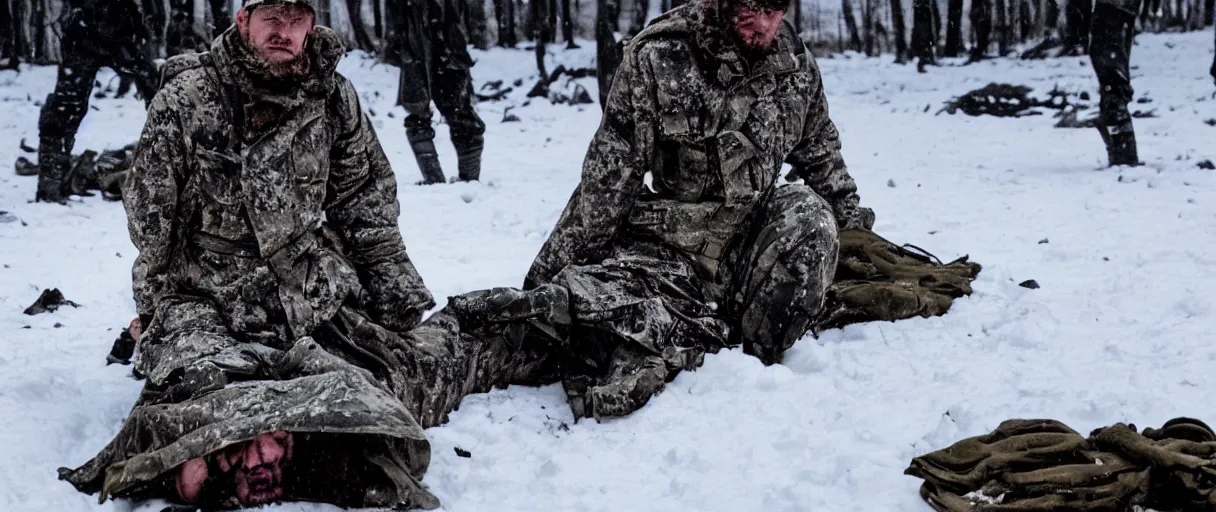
260,318
678,240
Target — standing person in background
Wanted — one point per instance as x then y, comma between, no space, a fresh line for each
1110,47
429,43
96,33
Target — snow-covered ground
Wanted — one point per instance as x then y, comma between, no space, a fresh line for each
1119,330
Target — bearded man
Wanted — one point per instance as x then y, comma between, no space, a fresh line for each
678,240
279,327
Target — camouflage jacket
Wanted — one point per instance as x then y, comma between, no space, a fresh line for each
237,173
692,139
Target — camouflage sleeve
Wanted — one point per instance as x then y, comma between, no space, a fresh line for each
617,159
150,194
362,207
817,159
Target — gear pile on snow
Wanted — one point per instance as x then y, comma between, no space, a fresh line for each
1005,100
105,171
1042,465
877,280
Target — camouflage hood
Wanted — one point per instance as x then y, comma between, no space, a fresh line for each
239,65
704,23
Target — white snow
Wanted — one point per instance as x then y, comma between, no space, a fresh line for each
1119,331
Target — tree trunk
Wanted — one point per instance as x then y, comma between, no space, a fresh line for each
1077,16
363,38
851,23
607,53
182,35
1051,18
901,31
505,10
552,4
1208,7
981,23
8,37
937,23
475,23
797,16
221,16
923,43
954,28
1003,29
1025,20
867,26
640,9
378,19
568,16
43,31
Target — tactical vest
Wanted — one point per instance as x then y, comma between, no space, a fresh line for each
722,136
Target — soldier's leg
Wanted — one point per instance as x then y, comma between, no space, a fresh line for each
454,352
1110,49
415,95
783,272
454,98
132,65
58,121
635,326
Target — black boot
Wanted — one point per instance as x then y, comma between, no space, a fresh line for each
1120,143
469,159
428,161
54,162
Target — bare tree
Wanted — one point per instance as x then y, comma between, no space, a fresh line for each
38,30
8,37
476,24
901,31
607,51
1003,29
640,8
981,24
954,28
363,37
568,24
867,26
221,16
846,8
923,41
1025,20
504,13
1077,17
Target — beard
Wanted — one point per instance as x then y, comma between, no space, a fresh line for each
293,67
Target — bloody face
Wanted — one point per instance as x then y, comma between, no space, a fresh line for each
277,32
254,470
757,27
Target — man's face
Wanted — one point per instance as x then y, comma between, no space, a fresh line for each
257,467
277,32
254,468
757,27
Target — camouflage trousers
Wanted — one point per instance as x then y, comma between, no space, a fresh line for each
646,313
356,395
451,88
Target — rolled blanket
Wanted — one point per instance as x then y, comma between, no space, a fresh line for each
878,280
1042,465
